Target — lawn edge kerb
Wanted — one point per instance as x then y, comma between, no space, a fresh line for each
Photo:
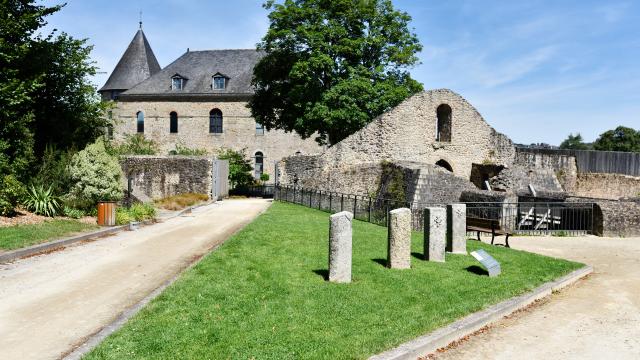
66,241
441,338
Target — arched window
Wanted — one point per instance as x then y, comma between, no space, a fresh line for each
140,121
443,130
173,122
444,164
259,168
215,121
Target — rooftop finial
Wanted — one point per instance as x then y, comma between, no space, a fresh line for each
140,20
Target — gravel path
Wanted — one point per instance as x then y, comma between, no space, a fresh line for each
50,303
596,319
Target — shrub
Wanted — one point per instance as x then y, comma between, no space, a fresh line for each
133,145
239,167
181,201
11,191
42,201
264,177
137,212
72,213
122,216
186,151
96,175
54,170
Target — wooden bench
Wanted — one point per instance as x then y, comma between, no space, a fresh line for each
489,226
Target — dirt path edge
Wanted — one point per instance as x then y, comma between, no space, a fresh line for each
441,338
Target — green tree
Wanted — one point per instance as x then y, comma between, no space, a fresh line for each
96,176
330,67
18,22
239,167
574,142
619,139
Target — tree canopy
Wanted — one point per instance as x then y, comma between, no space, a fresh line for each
574,142
331,66
45,96
619,139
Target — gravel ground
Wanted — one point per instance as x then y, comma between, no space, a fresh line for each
598,318
50,303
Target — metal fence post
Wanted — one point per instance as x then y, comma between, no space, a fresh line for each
341,202
330,202
369,209
355,206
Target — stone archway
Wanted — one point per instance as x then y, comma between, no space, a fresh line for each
445,165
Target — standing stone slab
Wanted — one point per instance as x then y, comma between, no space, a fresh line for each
435,228
457,228
340,235
399,255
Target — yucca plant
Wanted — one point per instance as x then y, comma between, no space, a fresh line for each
42,201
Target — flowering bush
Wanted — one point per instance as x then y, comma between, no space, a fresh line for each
96,176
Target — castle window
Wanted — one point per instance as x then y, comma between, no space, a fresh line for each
176,83
259,129
443,127
140,121
259,168
173,122
215,121
219,82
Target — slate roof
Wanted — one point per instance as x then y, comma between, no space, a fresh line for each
198,69
137,64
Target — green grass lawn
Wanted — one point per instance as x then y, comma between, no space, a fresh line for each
262,295
19,236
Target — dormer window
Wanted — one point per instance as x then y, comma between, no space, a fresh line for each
177,82
219,82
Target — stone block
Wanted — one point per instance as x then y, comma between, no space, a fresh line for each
340,235
457,228
435,228
399,254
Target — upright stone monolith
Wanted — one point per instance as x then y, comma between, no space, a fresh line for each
399,255
457,228
435,228
340,234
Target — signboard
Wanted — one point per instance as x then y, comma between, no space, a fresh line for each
491,264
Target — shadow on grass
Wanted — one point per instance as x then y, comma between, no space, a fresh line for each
322,272
477,270
382,262
417,255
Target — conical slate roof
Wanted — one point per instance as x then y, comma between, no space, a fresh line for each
136,65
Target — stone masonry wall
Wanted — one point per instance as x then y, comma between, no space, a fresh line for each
162,176
607,186
615,218
408,133
239,129
564,166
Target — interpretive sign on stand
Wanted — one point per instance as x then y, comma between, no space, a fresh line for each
491,264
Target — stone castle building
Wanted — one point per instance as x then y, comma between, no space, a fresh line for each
198,101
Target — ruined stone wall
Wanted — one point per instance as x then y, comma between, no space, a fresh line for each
562,165
239,129
613,218
162,176
408,133
607,186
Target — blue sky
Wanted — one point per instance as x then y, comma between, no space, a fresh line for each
536,70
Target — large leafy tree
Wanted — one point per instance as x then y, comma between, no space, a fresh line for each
331,66
574,142
18,22
619,139
45,95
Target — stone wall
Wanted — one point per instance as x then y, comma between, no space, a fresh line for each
239,129
614,218
564,166
408,133
607,186
162,176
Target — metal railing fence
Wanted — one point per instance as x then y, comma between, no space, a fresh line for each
530,218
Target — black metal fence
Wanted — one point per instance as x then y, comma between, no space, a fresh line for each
531,218
263,191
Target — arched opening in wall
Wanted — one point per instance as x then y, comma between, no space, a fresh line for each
140,121
443,126
173,122
215,121
444,164
259,168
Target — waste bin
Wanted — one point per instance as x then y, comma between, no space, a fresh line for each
107,213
